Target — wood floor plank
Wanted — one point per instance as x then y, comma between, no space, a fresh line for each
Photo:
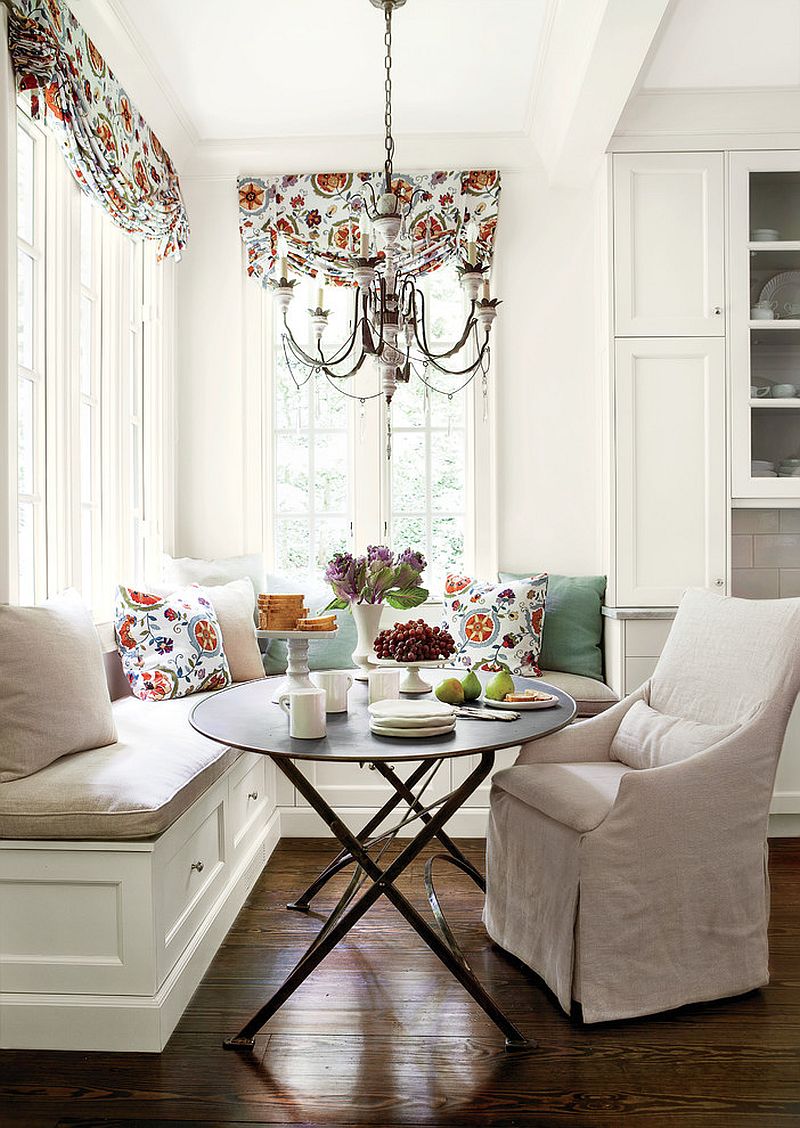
381,1035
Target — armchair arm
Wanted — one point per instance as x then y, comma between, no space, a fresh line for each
727,787
584,742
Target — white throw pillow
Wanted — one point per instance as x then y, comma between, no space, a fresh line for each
177,572
53,693
234,604
647,739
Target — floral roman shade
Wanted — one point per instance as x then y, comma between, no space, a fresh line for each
319,217
112,151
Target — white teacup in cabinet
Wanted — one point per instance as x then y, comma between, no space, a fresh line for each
669,245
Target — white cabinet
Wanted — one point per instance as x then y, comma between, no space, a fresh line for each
671,500
765,354
669,229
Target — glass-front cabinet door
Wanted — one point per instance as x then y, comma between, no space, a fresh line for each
765,325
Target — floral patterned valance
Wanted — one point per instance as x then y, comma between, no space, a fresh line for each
112,151
319,215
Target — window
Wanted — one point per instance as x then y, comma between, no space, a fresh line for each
90,405
31,530
312,446
429,495
333,486
91,398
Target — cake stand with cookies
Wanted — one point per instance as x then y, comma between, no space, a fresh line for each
286,617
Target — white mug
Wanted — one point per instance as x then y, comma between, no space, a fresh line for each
305,709
384,685
335,685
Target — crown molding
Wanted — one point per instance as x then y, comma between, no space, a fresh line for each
754,112
158,76
224,159
127,53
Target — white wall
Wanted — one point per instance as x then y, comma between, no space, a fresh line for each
547,422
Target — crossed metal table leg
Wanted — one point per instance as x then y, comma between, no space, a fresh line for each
358,850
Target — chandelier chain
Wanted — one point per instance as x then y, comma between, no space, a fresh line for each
387,117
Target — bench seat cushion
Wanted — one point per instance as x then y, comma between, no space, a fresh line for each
134,788
591,696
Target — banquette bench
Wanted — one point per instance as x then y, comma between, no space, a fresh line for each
121,870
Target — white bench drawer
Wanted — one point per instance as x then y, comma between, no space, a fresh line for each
189,873
248,797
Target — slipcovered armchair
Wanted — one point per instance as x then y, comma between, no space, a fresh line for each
627,854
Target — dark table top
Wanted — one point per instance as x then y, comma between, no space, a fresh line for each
244,716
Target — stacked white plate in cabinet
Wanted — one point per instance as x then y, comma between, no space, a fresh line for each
411,719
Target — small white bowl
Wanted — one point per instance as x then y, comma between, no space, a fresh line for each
766,235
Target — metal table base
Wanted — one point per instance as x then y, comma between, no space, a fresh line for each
364,851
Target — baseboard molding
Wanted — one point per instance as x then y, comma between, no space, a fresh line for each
470,822
135,1023
302,822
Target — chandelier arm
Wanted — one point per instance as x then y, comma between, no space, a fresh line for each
473,368
341,375
419,324
314,361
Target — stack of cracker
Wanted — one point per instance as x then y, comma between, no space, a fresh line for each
319,623
280,612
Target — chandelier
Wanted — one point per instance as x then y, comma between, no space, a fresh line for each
388,323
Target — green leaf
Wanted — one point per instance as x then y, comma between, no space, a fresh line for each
337,605
411,597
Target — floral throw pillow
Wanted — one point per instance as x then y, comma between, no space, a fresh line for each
170,645
497,622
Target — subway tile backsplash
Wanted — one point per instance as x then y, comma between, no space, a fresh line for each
765,553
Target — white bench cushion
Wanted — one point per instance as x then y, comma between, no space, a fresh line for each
134,788
591,696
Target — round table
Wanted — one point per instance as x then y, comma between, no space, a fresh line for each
244,716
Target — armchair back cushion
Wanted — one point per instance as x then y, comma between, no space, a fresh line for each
724,657
53,694
647,739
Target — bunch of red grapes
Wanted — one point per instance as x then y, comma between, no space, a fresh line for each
414,642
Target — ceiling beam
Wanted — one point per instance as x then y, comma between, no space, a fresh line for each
594,55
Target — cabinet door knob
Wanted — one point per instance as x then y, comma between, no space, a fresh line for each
718,311
199,866
719,583
252,795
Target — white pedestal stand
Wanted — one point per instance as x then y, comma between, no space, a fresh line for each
297,655
412,683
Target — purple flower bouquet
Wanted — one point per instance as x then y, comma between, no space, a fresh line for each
379,577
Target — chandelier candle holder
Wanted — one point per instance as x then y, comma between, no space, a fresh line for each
388,250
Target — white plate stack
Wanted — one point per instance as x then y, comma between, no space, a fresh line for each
411,719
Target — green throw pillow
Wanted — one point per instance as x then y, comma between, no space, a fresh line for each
325,654
573,623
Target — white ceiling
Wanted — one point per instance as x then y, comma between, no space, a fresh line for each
299,68
727,44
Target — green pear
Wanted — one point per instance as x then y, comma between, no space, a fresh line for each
471,686
500,685
450,691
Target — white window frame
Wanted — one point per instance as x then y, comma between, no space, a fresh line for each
36,497
148,316
370,473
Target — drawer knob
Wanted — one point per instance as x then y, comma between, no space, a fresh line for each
199,866
253,795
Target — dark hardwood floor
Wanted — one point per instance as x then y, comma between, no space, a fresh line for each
382,1035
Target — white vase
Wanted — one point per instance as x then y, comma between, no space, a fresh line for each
367,618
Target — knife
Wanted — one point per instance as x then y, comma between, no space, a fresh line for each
475,714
